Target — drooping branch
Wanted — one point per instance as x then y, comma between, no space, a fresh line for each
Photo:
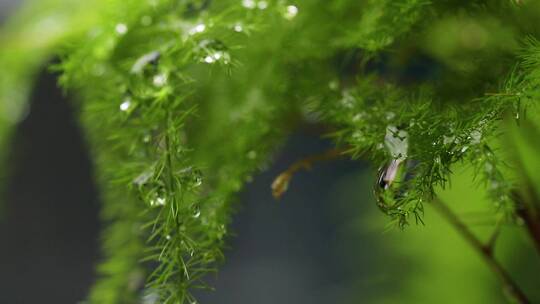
485,251
281,182
528,212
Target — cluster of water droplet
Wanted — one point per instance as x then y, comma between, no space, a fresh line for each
396,142
213,51
252,4
191,177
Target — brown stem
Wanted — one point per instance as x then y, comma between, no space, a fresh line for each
281,182
528,212
485,252
532,224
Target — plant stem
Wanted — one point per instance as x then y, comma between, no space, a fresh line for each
528,211
533,226
281,182
484,251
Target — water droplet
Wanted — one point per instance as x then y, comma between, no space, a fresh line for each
125,105
347,99
291,12
143,61
197,178
249,4
465,148
168,237
143,177
217,56
396,142
262,5
158,201
388,175
197,213
488,167
448,139
209,59
238,28
213,51
121,28
475,137
199,28
394,184
160,80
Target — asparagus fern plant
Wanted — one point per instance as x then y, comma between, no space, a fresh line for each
183,100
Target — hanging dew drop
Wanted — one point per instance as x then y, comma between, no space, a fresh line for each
291,12
159,80
238,28
212,51
125,105
159,201
197,178
391,183
209,59
199,28
250,4
388,175
197,181
197,213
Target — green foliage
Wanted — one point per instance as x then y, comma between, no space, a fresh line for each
182,101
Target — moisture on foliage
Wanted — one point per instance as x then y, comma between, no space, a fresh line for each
182,101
